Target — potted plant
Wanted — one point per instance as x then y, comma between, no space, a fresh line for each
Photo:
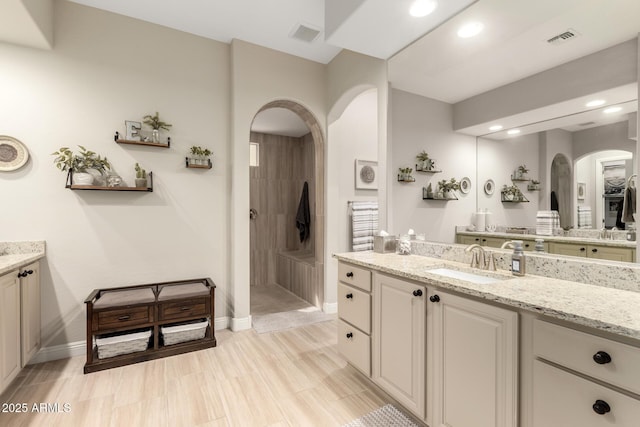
511,193
80,164
446,188
405,174
141,176
156,125
424,162
534,185
521,172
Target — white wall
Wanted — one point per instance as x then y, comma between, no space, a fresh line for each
106,69
353,136
497,160
260,76
420,123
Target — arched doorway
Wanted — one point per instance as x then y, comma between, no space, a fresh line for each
282,259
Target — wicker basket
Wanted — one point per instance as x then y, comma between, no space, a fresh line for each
122,344
185,332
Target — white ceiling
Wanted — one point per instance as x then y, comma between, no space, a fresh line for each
438,65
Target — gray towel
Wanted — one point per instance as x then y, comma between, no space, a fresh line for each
303,217
629,207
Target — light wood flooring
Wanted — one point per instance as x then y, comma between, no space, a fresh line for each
289,378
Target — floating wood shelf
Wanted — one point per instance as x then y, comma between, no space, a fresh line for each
209,164
70,185
119,140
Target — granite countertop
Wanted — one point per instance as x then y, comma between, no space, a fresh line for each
14,255
565,239
598,307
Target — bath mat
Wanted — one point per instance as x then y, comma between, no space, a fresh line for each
274,322
385,416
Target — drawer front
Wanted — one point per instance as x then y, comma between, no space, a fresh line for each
582,352
567,400
355,346
184,309
355,276
354,306
111,319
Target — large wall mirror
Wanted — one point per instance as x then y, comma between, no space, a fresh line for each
583,162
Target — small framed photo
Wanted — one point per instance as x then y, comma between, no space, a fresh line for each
366,175
582,190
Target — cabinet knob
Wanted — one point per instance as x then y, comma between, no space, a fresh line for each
349,296
594,250
349,334
601,407
583,249
434,298
350,274
602,358
417,293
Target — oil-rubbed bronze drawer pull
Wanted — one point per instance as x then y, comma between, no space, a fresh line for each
122,318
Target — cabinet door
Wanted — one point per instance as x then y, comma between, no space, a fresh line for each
399,336
30,304
473,350
610,253
568,249
9,328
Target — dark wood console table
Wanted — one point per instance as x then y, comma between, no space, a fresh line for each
148,307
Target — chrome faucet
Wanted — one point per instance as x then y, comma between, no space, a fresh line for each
477,258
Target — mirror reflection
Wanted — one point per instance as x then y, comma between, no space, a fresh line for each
578,165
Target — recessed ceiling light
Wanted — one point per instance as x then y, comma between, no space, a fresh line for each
595,103
421,8
471,29
612,110
513,131
495,127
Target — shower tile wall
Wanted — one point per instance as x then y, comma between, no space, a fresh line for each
276,186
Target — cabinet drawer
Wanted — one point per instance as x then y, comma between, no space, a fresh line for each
567,400
112,319
354,306
355,346
355,276
183,309
582,352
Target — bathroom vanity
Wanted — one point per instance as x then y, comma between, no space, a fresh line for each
458,346
19,306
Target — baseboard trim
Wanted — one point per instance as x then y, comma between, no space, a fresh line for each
240,323
78,348
330,307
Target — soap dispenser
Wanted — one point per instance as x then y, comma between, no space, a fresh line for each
517,259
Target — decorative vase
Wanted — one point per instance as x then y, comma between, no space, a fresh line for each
82,178
155,136
141,182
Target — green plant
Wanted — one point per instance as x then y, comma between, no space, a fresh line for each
445,185
512,190
66,160
140,173
155,122
422,156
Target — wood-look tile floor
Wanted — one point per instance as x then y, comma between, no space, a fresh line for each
289,378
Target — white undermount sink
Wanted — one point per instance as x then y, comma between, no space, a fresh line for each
467,277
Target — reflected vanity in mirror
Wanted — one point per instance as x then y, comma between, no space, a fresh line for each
594,148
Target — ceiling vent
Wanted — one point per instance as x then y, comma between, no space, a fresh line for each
561,38
304,33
